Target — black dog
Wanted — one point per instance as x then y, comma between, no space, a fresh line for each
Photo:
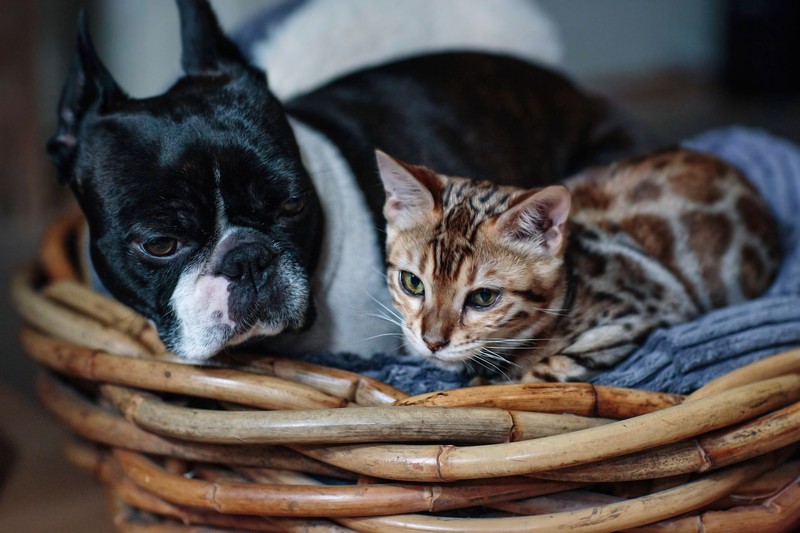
222,215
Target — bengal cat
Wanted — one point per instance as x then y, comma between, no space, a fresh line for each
559,283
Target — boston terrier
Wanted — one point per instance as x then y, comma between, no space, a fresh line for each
223,214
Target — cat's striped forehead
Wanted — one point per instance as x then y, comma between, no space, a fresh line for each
483,199
465,206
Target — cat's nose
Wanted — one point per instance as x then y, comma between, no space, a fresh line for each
435,344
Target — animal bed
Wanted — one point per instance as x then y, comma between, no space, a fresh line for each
683,358
268,444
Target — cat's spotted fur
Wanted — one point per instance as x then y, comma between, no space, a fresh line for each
582,274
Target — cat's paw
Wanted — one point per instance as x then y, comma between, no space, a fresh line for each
532,376
478,381
556,368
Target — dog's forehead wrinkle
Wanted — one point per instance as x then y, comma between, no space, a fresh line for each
238,134
221,220
217,174
252,192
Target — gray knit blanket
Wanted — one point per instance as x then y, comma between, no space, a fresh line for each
682,358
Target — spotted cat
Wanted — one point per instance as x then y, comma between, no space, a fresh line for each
559,283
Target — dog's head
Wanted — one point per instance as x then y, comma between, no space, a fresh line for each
201,215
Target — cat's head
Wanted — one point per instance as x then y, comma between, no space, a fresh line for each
475,269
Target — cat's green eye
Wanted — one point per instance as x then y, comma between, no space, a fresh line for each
411,283
482,298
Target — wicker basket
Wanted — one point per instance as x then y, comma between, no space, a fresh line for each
268,444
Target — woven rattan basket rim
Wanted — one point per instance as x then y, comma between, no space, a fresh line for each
291,416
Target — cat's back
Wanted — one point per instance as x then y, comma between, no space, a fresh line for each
694,213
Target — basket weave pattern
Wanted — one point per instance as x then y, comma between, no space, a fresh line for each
245,444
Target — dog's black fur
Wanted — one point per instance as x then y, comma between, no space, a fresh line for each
467,114
160,168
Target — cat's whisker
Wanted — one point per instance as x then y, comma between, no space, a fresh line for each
382,273
489,359
486,361
509,345
360,311
493,355
470,368
392,334
389,319
512,347
496,356
478,358
388,309
554,310
515,338
514,341
490,367
391,312
509,342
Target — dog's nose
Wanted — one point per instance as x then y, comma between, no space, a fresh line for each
247,264
435,344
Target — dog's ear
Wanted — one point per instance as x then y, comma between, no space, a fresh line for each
89,87
206,49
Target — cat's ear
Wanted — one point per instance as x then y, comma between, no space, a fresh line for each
537,219
412,192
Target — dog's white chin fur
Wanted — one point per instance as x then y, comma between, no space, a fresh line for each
202,348
195,347
259,330
324,39
200,304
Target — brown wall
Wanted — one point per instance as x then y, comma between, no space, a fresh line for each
36,43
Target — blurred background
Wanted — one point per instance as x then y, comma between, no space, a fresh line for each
680,67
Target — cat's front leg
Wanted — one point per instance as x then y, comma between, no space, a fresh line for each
556,368
592,351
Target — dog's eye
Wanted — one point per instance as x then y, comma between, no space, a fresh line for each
293,206
160,246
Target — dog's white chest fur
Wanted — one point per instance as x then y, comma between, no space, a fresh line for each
349,288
